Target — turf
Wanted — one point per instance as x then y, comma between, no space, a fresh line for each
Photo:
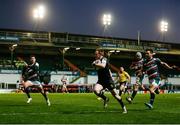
84,108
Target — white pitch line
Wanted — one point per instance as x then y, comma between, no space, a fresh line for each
23,113
48,113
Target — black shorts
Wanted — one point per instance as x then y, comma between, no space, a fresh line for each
123,83
110,85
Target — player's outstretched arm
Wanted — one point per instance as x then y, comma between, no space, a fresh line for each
166,65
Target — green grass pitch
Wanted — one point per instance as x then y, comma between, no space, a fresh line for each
74,108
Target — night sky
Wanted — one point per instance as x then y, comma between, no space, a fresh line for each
84,17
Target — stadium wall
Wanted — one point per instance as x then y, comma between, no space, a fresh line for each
7,79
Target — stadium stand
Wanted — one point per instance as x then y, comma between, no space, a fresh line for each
76,64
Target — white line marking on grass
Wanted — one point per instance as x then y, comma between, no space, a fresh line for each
53,113
12,114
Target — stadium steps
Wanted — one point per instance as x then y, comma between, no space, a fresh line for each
74,80
75,68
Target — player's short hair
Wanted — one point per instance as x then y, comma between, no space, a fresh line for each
32,56
149,50
121,67
100,51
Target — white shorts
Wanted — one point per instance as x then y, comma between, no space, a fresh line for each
35,83
155,82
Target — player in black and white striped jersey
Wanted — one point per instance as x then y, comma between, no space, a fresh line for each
105,80
30,76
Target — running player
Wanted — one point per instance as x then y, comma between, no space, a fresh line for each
137,66
64,82
124,79
105,80
150,66
31,78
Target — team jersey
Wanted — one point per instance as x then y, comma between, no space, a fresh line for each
123,76
151,68
104,74
137,66
31,72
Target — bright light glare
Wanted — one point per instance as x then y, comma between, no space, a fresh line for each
14,45
164,26
106,19
39,12
112,51
28,34
78,48
66,48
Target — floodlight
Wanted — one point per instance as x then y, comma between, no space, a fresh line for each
106,19
164,26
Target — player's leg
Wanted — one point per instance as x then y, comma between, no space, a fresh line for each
44,95
125,90
140,82
27,86
118,98
158,84
129,89
136,86
66,90
153,88
112,88
41,90
135,89
62,88
98,90
152,97
121,88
